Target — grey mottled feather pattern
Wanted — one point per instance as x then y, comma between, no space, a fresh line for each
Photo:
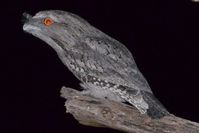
105,67
118,61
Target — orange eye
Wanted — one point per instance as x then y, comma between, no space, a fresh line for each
47,21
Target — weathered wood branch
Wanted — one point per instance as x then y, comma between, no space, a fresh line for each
104,113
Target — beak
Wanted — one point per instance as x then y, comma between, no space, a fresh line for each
26,17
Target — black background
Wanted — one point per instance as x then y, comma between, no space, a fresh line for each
162,35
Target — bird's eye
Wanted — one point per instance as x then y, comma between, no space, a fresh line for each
47,21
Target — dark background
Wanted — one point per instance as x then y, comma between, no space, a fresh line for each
162,35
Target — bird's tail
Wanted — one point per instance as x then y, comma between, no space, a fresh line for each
156,109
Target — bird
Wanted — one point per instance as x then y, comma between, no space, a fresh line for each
104,66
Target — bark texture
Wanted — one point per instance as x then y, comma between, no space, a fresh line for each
91,111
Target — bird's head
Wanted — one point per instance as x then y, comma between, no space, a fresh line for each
59,29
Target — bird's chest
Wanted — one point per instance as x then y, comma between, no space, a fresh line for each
75,64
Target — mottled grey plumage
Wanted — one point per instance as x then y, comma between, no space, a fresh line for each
105,67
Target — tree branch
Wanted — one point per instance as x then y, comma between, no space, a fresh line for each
104,113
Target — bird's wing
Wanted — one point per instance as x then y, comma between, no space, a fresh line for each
116,62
